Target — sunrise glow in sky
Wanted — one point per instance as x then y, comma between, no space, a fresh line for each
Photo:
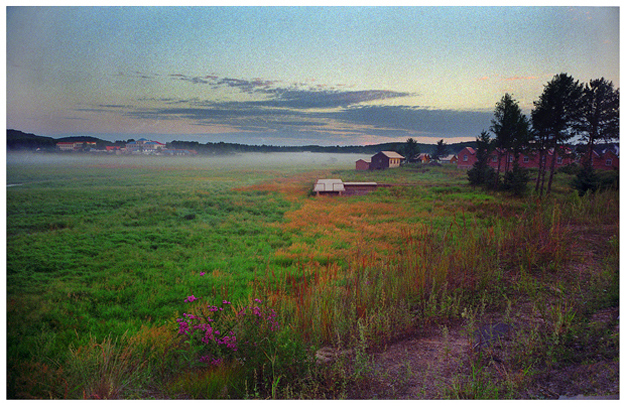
291,75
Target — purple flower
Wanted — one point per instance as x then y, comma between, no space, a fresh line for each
257,300
226,302
190,298
183,326
202,273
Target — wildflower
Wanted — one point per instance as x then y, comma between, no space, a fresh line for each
202,273
190,298
183,326
257,300
226,302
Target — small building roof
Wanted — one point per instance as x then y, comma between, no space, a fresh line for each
329,185
392,154
471,150
362,159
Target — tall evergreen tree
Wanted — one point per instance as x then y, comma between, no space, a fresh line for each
598,121
599,115
481,173
411,150
511,129
554,116
440,150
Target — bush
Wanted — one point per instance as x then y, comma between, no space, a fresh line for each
586,180
516,180
482,175
571,169
248,340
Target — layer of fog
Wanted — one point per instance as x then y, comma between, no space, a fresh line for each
250,161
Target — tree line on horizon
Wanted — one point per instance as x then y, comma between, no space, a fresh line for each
566,109
18,140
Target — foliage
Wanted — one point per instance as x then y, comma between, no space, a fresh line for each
515,180
511,130
553,117
589,180
411,150
482,174
440,150
598,119
586,180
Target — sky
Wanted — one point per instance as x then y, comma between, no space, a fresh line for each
292,75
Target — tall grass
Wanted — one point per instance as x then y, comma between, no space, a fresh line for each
96,277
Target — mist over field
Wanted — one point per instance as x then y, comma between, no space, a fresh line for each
20,165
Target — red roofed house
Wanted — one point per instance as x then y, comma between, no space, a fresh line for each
466,158
607,160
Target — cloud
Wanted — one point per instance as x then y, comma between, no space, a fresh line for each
452,123
298,110
520,78
389,121
325,99
297,96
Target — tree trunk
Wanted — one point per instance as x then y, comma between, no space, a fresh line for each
553,168
498,169
540,170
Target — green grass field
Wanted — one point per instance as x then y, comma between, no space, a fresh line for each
102,252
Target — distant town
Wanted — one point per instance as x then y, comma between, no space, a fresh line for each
18,140
386,155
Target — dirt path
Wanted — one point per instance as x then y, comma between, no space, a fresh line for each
422,368
438,366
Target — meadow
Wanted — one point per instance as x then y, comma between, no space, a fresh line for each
221,277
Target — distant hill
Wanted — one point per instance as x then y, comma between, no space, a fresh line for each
18,140
73,139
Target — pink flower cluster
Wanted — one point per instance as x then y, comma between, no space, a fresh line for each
220,343
261,317
209,335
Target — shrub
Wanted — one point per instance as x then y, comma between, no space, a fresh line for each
248,340
516,180
585,180
482,175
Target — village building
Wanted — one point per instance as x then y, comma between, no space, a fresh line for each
605,160
338,187
449,159
74,145
359,188
423,158
144,146
467,157
385,159
329,187
363,165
